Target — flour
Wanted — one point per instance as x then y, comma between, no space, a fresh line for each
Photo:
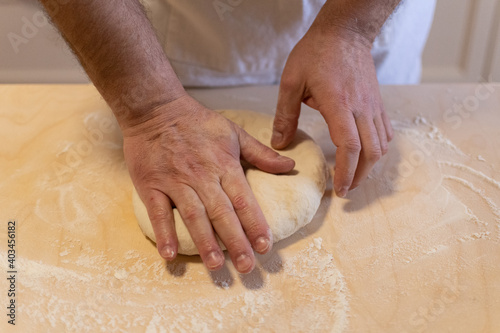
437,249
317,242
474,236
438,201
425,131
82,301
476,173
479,192
121,274
395,238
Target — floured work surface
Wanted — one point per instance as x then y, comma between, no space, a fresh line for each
416,248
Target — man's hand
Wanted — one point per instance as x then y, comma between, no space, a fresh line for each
189,156
178,152
332,71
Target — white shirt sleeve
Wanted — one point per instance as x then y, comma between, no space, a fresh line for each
239,42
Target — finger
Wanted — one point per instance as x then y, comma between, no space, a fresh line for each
382,134
287,113
262,156
387,125
370,152
161,216
344,134
248,211
227,225
195,218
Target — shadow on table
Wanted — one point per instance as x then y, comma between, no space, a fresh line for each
380,182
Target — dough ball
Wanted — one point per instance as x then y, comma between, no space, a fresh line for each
288,201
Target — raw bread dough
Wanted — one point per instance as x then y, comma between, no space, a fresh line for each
288,201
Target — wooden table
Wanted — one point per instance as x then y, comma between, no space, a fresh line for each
415,249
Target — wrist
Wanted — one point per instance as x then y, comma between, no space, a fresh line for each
160,115
135,101
339,33
360,20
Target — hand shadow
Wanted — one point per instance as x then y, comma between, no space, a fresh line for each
381,181
224,279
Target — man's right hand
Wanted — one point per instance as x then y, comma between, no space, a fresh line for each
188,156
177,151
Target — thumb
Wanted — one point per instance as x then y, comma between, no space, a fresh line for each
287,114
262,156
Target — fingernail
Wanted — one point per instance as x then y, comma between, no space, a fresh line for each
167,252
276,138
213,260
244,264
343,192
284,158
262,245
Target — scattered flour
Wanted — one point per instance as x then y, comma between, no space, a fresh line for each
317,242
476,173
479,192
437,249
131,293
303,291
121,274
474,236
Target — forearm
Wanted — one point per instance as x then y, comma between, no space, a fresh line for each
119,50
363,17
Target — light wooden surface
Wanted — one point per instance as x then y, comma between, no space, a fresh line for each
414,249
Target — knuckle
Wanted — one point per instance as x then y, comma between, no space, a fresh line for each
348,106
194,167
288,82
240,202
235,244
366,101
193,213
158,213
281,122
206,244
220,211
373,155
290,117
255,229
353,146
343,102
380,106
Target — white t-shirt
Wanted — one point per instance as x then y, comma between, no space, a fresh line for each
237,42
